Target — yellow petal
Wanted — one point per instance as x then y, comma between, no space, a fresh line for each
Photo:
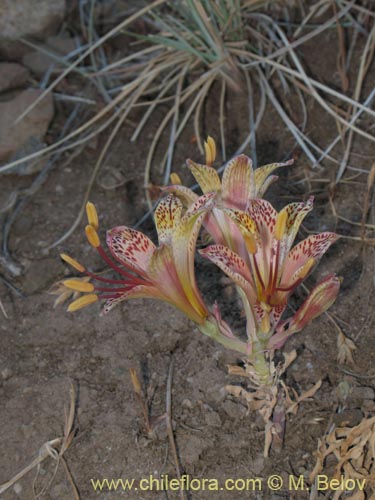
175,179
82,302
206,176
72,262
79,285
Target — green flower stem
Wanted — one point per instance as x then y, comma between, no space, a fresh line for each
212,330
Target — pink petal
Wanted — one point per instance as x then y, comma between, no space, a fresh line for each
238,182
167,215
319,300
207,177
232,265
264,216
312,247
131,248
162,272
138,292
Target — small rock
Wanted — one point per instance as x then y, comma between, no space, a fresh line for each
17,488
12,75
39,62
232,409
364,393
40,275
6,373
24,19
26,136
186,403
212,418
348,418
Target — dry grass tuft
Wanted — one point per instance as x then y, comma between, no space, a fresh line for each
55,449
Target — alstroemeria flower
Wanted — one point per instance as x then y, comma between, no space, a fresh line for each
240,184
163,272
272,269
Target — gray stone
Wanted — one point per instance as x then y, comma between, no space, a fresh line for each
25,137
12,75
27,19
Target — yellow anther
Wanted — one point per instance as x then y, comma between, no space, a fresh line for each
280,224
92,236
210,149
82,302
265,325
175,179
72,262
250,242
306,268
79,285
92,215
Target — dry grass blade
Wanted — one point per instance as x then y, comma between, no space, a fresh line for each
366,201
55,449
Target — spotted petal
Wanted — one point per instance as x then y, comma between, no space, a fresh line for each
207,177
238,182
242,219
319,300
233,266
296,212
167,215
312,247
138,292
131,248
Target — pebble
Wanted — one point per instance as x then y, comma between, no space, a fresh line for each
25,19
12,75
27,136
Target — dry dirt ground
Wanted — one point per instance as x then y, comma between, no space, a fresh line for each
44,350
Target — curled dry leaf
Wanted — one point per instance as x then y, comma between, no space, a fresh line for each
353,448
345,349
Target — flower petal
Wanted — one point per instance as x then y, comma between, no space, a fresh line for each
296,212
167,215
184,240
319,300
162,272
183,193
242,219
207,177
261,174
131,248
238,182
312,247
232,265
137,292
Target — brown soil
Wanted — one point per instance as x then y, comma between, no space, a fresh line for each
43,350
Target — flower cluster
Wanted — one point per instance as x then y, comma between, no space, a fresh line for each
252,244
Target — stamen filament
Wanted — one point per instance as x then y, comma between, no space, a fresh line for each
118,269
